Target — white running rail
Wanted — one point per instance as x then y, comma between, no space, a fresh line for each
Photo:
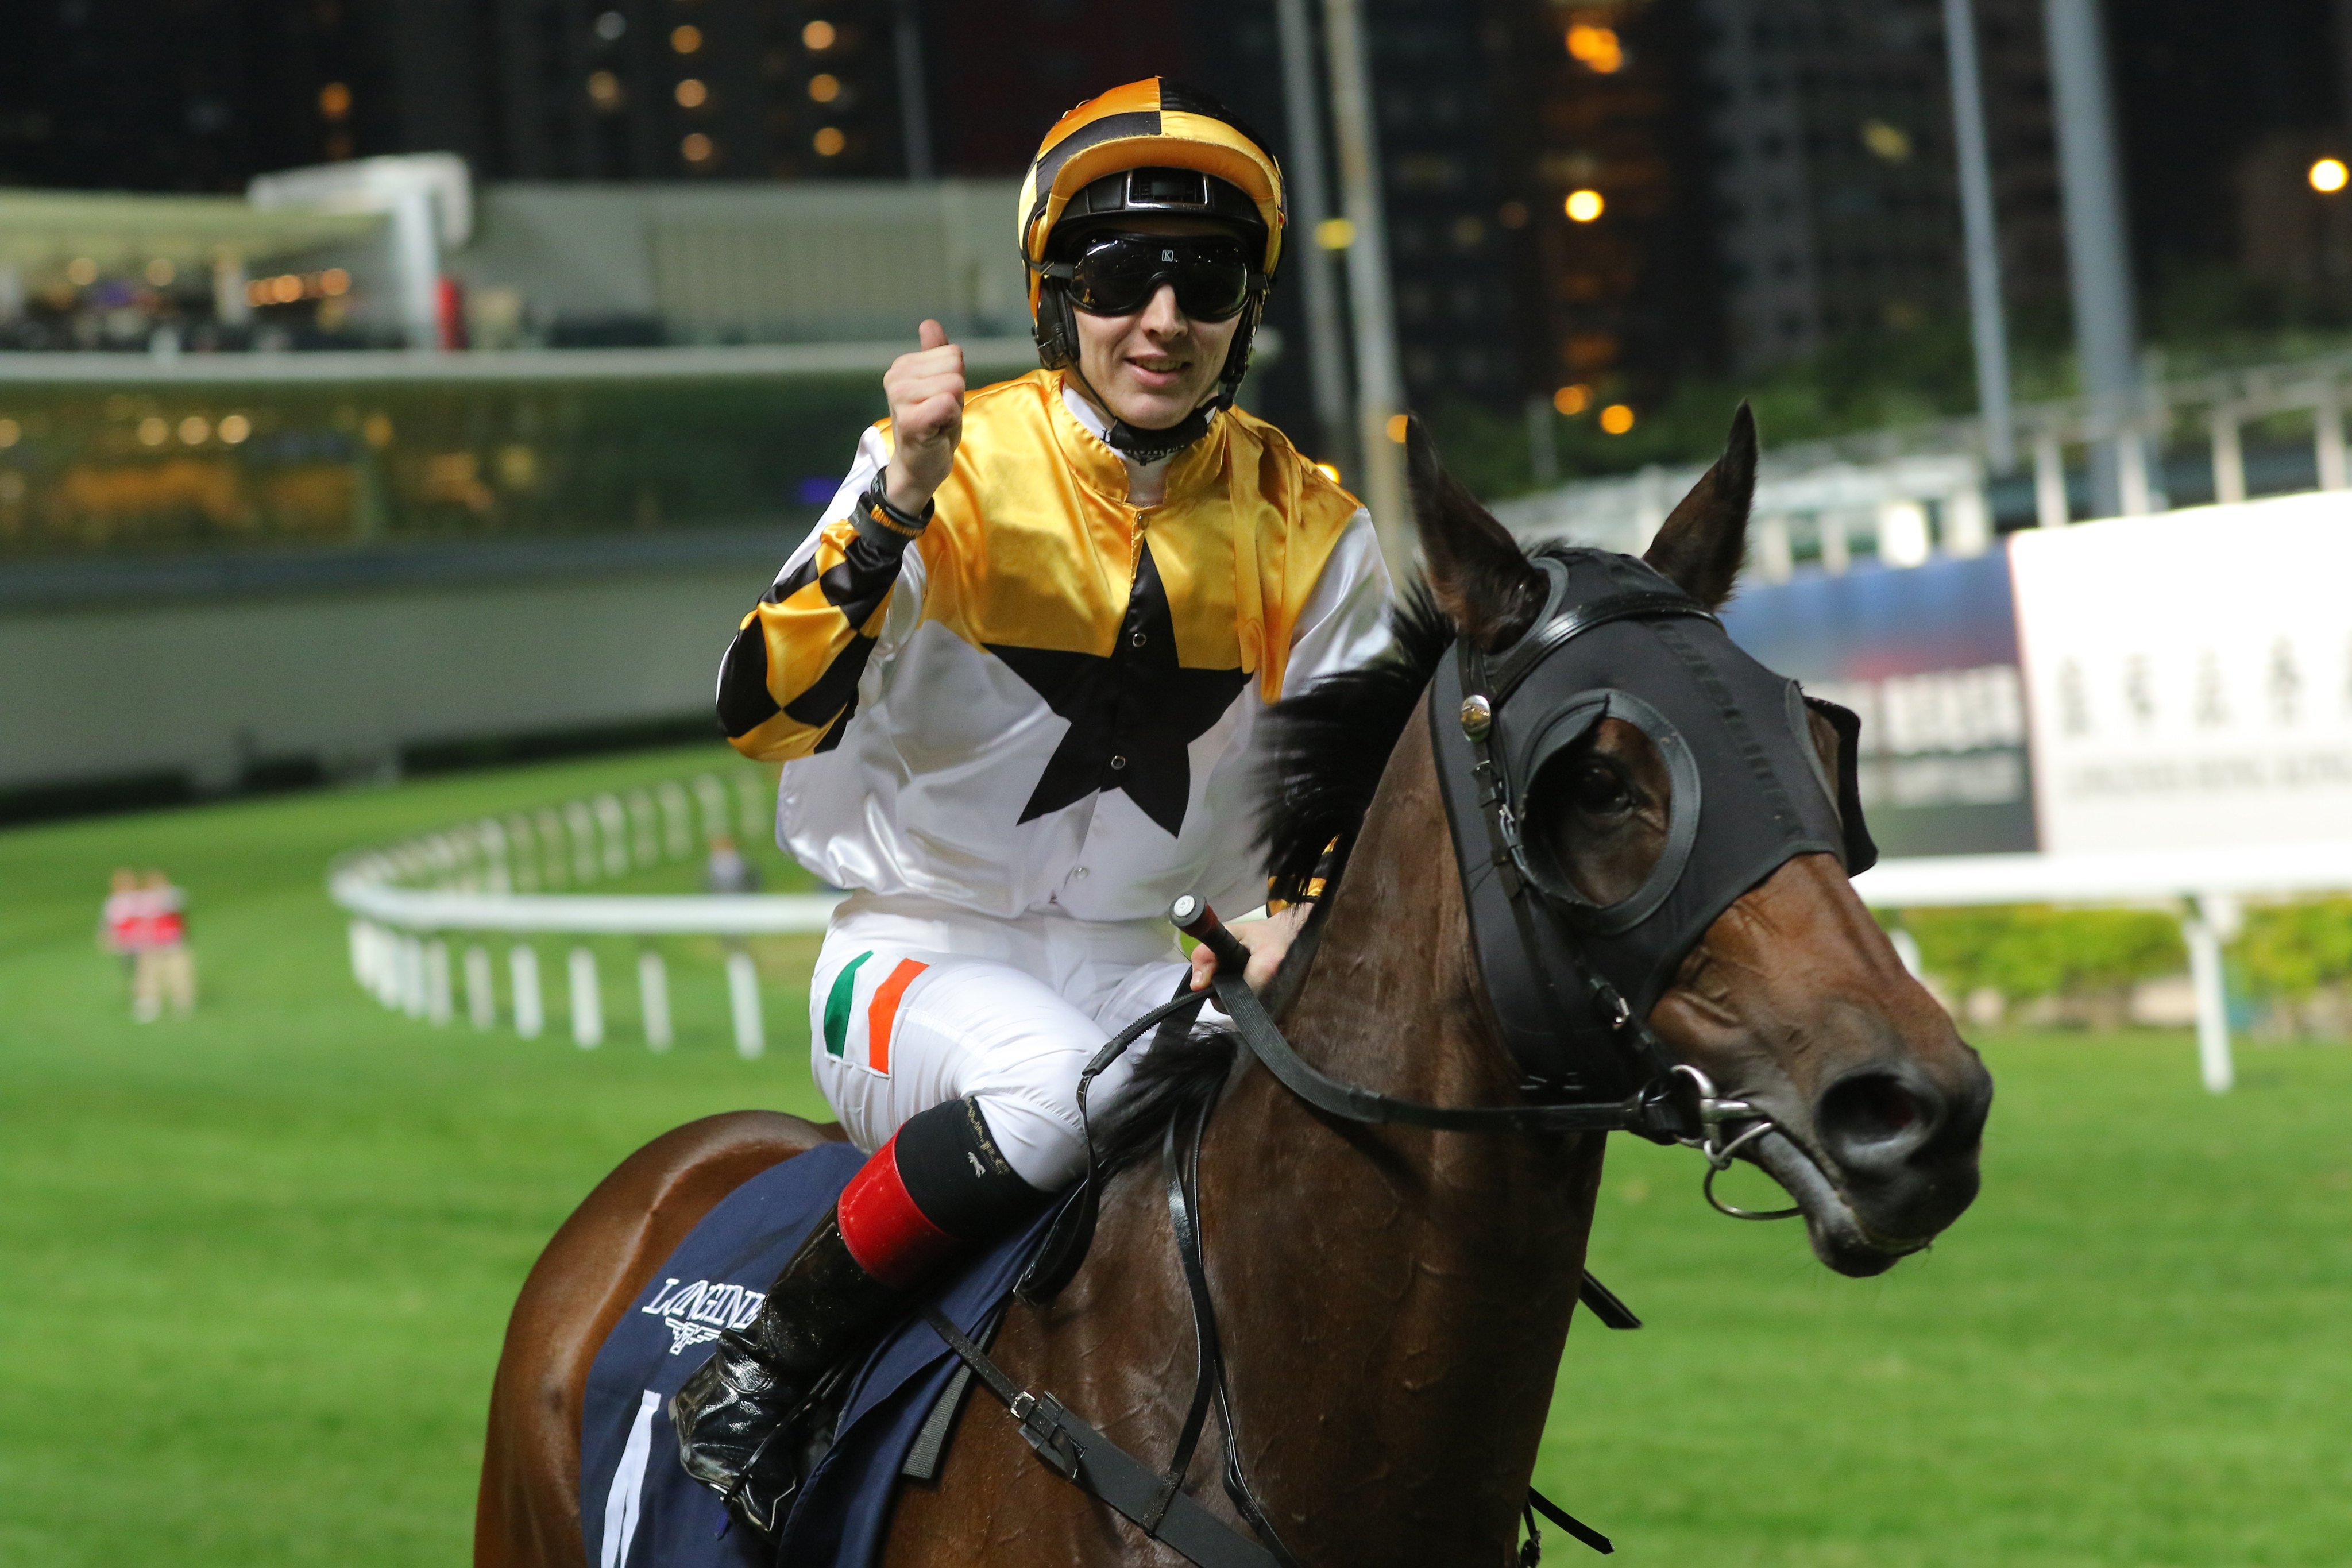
497,876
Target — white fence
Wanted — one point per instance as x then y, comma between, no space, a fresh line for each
498,874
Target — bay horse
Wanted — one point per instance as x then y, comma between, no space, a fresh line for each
1395,1301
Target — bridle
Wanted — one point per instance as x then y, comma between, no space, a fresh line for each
1590,1062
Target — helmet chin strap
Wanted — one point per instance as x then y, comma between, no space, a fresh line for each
1144,446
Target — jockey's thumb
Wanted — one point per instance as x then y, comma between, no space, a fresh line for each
932,335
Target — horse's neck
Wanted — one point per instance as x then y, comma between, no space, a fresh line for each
1394,1302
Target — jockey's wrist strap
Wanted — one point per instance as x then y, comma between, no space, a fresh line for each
887,526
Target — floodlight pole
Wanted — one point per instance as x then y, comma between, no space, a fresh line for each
1310,204
1380,397
914,103
1988,321
2098,255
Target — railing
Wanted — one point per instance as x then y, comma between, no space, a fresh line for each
500,874
1904,495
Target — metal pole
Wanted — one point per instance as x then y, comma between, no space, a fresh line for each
914,108
1379,397
1311,205
2202,933
1987,319
2098,260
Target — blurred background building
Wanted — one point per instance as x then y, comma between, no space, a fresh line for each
643,262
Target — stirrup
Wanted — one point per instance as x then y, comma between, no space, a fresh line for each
807,1428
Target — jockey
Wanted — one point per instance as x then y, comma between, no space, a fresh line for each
1017,678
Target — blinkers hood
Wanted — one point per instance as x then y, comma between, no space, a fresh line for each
1750,792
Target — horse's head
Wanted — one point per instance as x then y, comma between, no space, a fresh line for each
1777,984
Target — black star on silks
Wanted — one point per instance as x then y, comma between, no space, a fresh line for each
1131,715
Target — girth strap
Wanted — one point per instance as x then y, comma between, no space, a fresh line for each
1108,1471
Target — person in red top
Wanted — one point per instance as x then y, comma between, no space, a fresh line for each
165,971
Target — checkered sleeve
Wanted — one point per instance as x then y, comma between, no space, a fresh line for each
788,684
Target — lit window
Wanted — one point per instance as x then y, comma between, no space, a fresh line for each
2329,175
1572,401
819,36
692,94
334,100
1397,426
1328,470
154,432
611,25
686,38
334,282
1583,207
1889,143
10,432
1596,48
1334,233
825,88
235,429
1617,418
604,90
697,149
160,271
196,430
82,272
829,142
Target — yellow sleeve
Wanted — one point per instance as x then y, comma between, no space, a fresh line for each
788,685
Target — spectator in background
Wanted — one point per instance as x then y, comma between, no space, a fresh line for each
728,871
119,928
165,970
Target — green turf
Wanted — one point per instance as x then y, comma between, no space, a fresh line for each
257,1266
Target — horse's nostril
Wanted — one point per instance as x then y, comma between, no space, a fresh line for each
1871,1109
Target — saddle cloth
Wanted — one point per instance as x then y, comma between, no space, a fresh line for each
638,1507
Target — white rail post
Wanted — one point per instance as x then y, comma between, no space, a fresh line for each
363,951
613,826
411,976
711,795
531,1009
2327,437
2136,485
386,966
743,993
491,834
2203,930
653,998
677,824
758,798
2050,506
550,824
587,1001
645,829
437,1008
481,995
2229,454
582,825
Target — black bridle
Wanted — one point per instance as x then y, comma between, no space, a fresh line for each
1589,1061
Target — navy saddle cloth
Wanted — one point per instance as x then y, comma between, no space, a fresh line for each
638,1509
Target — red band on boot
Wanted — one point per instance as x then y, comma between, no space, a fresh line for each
888,1235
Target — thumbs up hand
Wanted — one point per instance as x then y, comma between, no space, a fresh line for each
926,391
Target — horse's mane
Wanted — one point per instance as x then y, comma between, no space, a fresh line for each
1326,750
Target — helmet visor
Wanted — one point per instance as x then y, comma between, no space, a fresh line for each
1117,275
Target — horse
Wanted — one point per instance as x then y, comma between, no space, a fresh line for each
1395,1300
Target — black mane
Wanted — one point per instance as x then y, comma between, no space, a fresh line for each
1326,751
1328,746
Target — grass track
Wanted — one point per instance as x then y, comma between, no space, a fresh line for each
279,1243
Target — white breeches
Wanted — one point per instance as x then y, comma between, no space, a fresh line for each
914,1003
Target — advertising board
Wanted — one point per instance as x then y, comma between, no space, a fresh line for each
2189,676
1928,657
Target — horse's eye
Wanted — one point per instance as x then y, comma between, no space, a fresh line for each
1598,790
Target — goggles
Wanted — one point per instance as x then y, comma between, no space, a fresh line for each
1117,275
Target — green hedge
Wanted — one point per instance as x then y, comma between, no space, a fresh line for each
2025,950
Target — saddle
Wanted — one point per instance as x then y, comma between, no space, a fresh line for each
884,1421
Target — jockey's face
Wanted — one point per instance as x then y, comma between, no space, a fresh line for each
1157,365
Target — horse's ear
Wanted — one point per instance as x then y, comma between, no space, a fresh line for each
1483,580
1704,539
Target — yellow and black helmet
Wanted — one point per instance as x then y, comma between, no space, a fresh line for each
1151,148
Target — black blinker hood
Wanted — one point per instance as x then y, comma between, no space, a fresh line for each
1616,639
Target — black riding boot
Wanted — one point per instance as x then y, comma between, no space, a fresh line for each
736,1431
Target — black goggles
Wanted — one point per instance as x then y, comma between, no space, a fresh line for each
1118,274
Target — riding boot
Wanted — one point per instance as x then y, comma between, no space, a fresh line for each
735,1416
928,1197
